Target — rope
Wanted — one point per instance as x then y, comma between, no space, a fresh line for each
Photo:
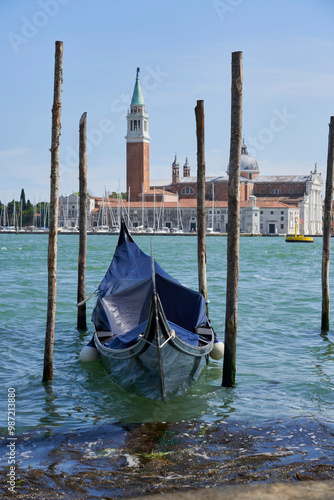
87,298
171,336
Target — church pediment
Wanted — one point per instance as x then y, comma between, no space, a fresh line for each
317,180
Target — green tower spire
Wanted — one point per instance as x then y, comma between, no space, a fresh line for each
137,96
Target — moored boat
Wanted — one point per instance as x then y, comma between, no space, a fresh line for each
151,332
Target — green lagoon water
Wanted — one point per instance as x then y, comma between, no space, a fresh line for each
285,365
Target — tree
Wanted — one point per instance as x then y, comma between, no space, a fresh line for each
28,214
23,199
118,195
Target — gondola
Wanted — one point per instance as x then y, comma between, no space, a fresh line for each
151,332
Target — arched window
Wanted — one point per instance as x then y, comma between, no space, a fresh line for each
187,190
276,191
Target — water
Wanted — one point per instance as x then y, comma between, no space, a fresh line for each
285,364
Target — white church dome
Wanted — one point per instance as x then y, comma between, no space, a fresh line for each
248,163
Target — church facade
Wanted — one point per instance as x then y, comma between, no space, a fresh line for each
269,204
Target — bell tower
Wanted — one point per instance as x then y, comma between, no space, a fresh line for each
175,171
137,145
186,168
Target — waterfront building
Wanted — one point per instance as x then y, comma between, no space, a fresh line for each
268,204
301,193
68,211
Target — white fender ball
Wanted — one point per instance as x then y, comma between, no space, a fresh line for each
89,353
217,352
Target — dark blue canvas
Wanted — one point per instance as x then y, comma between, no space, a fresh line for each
125,293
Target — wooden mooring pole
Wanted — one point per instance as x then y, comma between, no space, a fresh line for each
81,315
327,229
201,226
233,231
53,215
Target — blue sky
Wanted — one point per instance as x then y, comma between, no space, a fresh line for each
184,51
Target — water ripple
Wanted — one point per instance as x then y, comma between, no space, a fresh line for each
284,363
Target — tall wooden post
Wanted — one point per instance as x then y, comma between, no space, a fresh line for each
81,317
53,214
201,226
327,229
233,231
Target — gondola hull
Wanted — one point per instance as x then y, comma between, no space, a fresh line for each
160,365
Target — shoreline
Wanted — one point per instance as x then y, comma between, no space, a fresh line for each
140,233
190,459
305,490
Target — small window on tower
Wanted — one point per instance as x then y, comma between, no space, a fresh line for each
135,125
131,125
135,109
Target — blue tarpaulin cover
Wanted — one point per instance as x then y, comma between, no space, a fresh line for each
125,293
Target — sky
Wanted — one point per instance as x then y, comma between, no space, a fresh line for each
183,49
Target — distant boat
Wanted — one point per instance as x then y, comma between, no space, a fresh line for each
298,239
152,333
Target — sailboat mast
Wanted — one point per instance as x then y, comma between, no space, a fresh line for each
119,205
21,213
142,207
34,215
40,213
67,210
106,212
14,213
213,206
154,210
177,214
